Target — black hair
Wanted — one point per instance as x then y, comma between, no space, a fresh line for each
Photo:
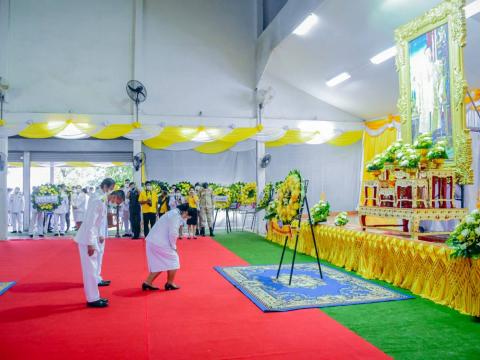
118,193
85,190
126,180
132,183
147,183
183,207
107,182
205,185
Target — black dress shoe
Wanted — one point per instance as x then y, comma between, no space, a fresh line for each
104,300
171,287
146,287
104,283
41,235
14,232
31,236
97,304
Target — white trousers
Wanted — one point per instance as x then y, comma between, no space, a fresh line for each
89,271
17,222
101,251
36,223
126,221
59,223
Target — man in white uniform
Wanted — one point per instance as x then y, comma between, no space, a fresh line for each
161,247
79,205
17,207
91,236
36,221
60,213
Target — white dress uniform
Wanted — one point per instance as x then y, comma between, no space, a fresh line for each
36,222
59,215
93,227
17,206
161,243
79,204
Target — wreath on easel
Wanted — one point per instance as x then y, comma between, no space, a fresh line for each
290,196
46,197
266,197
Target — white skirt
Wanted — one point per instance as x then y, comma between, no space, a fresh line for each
161,259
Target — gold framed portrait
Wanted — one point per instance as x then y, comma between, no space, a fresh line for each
432,82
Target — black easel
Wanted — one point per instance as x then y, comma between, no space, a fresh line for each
228,225
299,218
117,211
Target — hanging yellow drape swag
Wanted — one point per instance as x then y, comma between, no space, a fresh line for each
226,142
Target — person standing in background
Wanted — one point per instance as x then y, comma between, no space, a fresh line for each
36,220
163,204
125,210
17,207
149,200
79,205
192,200
59,214
9,210
206,209
134,210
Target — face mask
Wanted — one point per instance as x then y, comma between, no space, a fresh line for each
149,188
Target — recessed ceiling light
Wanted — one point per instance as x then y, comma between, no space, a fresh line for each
338,79
384,55
472,9
306,25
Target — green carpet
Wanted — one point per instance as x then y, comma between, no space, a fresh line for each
413,329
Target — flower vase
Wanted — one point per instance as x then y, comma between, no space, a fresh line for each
376,173
438,163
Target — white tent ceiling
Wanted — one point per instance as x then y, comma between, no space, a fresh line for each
348,33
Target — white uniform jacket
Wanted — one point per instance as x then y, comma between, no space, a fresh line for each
164,233
95,222
16,203
64,205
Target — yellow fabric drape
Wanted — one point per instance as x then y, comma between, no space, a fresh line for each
226,142
347,138
292,137
373,145
43,130
425,269
113,131
171,135
377,124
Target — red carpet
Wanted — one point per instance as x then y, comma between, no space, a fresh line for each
44,315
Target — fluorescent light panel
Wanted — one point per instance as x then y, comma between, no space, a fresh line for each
338,79
384,55
306,25
472,9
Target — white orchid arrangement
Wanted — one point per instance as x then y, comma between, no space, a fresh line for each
465,239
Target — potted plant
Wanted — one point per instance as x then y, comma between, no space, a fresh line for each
465,239
375,166
438,154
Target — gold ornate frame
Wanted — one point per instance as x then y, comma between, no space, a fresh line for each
449,12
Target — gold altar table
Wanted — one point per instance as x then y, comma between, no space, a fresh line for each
411,216
424,268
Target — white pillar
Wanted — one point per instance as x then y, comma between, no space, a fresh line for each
137,175
3,188
261,175
52,172
26,189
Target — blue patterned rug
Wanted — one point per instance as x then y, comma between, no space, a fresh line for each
4,286
337,288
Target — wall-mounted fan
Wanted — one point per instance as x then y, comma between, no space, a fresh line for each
138,160
265,161
137,92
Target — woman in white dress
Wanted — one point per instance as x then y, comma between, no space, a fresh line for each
161,247
79,205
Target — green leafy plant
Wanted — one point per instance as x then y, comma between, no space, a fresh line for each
267,196
423,141
376,164
320,211
341,219
465,239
